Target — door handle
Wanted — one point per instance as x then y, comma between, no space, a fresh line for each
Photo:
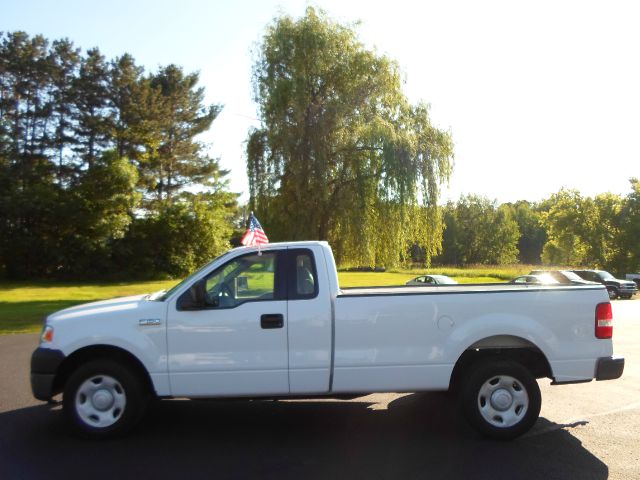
272,320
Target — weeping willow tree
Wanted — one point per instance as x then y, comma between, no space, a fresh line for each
341,155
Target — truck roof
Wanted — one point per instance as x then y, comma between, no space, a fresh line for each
268,246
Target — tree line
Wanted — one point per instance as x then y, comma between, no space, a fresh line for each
95,159
566,229
102,173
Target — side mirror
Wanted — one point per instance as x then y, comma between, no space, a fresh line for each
194,298
198,292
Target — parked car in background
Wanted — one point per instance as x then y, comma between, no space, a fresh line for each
633,276
424,280
566,277
542,279
617,288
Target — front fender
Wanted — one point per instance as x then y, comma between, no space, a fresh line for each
129,330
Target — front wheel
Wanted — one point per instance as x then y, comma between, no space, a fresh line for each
103,399
501,399
613,293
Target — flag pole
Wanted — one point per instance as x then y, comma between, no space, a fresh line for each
259,244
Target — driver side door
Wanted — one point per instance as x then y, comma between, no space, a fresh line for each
234,340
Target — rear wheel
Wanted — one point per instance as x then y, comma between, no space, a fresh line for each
103,399
501,399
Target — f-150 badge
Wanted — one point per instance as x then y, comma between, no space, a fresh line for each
148,322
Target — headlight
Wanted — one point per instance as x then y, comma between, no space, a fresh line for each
47,334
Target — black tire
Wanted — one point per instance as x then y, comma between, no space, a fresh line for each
103,399
513,405
613,293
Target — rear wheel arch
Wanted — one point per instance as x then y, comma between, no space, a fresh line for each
502,347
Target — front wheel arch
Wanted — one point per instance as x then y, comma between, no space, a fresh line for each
95,352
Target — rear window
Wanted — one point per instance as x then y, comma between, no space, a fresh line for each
305,280
303,277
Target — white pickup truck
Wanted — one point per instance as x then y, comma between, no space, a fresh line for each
275,323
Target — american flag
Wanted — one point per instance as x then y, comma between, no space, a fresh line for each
255,234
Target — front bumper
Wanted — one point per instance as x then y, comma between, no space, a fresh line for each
609,368
627,291
44,366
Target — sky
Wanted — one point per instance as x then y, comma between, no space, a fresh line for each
538,95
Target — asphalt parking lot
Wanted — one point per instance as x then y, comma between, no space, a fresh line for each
586,431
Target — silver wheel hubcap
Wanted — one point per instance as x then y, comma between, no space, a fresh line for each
100,401
503,401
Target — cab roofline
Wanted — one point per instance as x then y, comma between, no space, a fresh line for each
269,246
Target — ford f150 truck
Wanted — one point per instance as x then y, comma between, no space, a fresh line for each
274,322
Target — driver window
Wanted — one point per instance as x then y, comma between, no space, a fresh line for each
251,277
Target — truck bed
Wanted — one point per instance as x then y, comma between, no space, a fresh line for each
409,337
456,289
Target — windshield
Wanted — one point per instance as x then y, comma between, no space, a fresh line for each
572,276
606,276
444,280
162,295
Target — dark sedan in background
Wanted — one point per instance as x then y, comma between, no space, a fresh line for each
566,277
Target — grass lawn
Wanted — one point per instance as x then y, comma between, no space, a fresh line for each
23,306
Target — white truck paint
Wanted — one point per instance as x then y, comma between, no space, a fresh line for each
275,322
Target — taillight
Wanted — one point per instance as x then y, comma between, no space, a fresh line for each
604,320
